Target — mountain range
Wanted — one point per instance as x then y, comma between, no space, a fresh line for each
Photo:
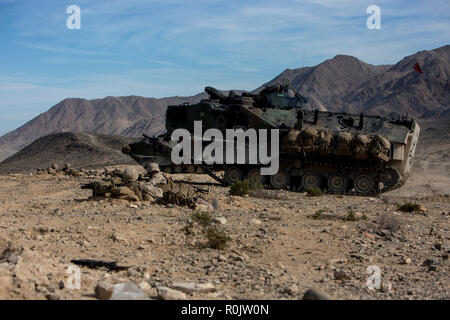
342,83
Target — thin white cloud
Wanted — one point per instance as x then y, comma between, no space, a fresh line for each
160,62
62,50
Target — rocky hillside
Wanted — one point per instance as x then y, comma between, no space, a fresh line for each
404,91
327,83
346,84
342,83
125,116
78,149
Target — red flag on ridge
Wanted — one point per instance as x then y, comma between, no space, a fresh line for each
417,68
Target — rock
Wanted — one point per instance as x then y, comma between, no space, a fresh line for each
144,285
386,286
130,174
128,291
292,289
255,221
6,282
220,220
104,290
406,260
191,287
368,235
202,204
432,268
55,166
53,296
201,207
222,258
13,258
170,294
341,275
133,273
429,262
313,294
118,237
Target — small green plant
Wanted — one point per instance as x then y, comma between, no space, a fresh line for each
409,207
217,239
351,216
318,214
202,218
314,192
188,229
244,187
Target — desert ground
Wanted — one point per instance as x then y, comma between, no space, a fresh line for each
282,242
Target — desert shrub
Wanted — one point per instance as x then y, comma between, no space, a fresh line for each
217,239
244,187
318,214
409,207
314,192
351,216
188,229
265,216
215,203
389,222
276,218
202,218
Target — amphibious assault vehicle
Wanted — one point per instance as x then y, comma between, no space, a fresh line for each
338,152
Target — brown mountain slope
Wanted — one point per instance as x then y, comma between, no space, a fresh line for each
126,116
78,149
325,84
404,91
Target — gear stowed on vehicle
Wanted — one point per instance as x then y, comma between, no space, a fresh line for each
337,152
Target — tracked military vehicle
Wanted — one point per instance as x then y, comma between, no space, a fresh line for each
338,152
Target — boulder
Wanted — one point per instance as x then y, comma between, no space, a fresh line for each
170,294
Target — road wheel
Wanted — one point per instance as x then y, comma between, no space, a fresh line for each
337,183
364,184
280,180
233,175
311,180
254,175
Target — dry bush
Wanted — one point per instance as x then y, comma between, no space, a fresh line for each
389,222
217,239
244,187
202,218
314,192
409,207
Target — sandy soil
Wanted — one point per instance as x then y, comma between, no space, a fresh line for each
278,249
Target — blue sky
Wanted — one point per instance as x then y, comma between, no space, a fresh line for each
158,48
